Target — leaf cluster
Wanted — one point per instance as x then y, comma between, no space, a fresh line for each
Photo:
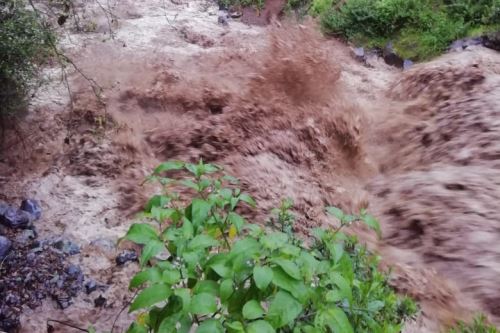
205,268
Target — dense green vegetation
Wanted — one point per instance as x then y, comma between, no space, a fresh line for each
479,325
419,29
204,265
24,45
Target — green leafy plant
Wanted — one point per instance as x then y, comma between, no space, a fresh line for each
479,325
205,267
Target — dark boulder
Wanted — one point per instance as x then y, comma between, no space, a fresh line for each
391,58
16,218
492,41
5,245
33,207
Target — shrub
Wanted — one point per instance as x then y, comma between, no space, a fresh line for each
479,325
204,265
24,45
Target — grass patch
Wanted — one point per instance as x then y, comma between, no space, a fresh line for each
419,29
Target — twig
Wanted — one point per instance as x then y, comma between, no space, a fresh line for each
66,324
123,309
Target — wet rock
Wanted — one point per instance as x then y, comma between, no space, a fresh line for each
390,56
5,245
407,64
33,207
16,218
90,286
66,246
223,18
3,207
492,41
126,256
100,301
359,52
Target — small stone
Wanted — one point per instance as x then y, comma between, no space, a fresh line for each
66,246
99,301
223,18
16,218
407,64
125,256
359,52
90,286
5,245
74,271
33,207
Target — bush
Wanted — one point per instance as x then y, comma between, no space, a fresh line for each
479,325
419,29
24,45
203,265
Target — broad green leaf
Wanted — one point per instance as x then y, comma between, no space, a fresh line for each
171,276
149,275
283,309
333,296
161,214
187,229
226,289
260,326
297,288
202,242
189,184
210,326
168,324
211,168
199,211
136,328
337,250
246,246
252,310
235,327
334,211
290,250
206,286
248,199
156,201
375,306
236,220
150,250
337,321
203,304
262,276
194,169
289,267
167,166
343,285
308,264
150,296
141,233
371,222
91,329
274,240
185,295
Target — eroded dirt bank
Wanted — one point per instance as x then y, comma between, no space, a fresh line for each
291,115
